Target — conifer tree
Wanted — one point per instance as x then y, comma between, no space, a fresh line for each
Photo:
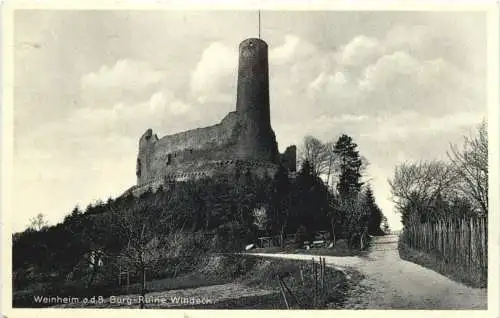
281,197
312,201
375,214
349,165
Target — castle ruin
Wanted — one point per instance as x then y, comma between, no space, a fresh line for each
243,139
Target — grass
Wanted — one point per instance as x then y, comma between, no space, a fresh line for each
264,275
24,298
192,280
253,271
298,276
435,262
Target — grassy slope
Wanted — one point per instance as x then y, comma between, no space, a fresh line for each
261,274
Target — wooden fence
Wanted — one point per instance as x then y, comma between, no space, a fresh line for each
319,291
461,243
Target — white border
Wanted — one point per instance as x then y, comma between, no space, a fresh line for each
7,146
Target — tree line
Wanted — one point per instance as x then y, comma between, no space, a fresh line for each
444,210
452,189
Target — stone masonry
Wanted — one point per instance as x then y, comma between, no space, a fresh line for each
243,139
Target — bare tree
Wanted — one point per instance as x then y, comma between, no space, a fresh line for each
471,165
324,160
145,246
356,222
38,222
260,218
331,159
422,181
315,152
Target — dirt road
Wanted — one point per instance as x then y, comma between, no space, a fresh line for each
390,282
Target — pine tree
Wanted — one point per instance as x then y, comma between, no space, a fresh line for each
349,165
312,199
375,214
280,202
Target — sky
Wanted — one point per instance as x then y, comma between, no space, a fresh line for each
87,84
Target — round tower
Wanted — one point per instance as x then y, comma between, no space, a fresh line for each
253,79
257,139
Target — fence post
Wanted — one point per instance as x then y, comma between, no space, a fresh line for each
460,242
283,293
323,276
302,275
315,271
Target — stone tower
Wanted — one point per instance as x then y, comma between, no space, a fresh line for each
243,139
257,140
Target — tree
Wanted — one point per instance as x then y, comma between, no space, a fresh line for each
312,205
244,199
331,161
102,237
335,215
281,198
355,222
146,243
416,187
385,225
260,218
349,166
375,214
38,222
316,154
471,165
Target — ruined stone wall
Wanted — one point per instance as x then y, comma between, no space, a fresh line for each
144,158
200,138
244,135
206,169
186,151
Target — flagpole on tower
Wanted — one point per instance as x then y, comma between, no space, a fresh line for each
259,23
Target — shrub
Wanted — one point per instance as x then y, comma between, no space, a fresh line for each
300,236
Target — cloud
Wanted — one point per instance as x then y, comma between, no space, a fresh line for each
329,84
125,74
361,50
411,124
90,149
402,91
382,96
293,49
388,70
211,78
165,103
161,111
367,76
412,38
